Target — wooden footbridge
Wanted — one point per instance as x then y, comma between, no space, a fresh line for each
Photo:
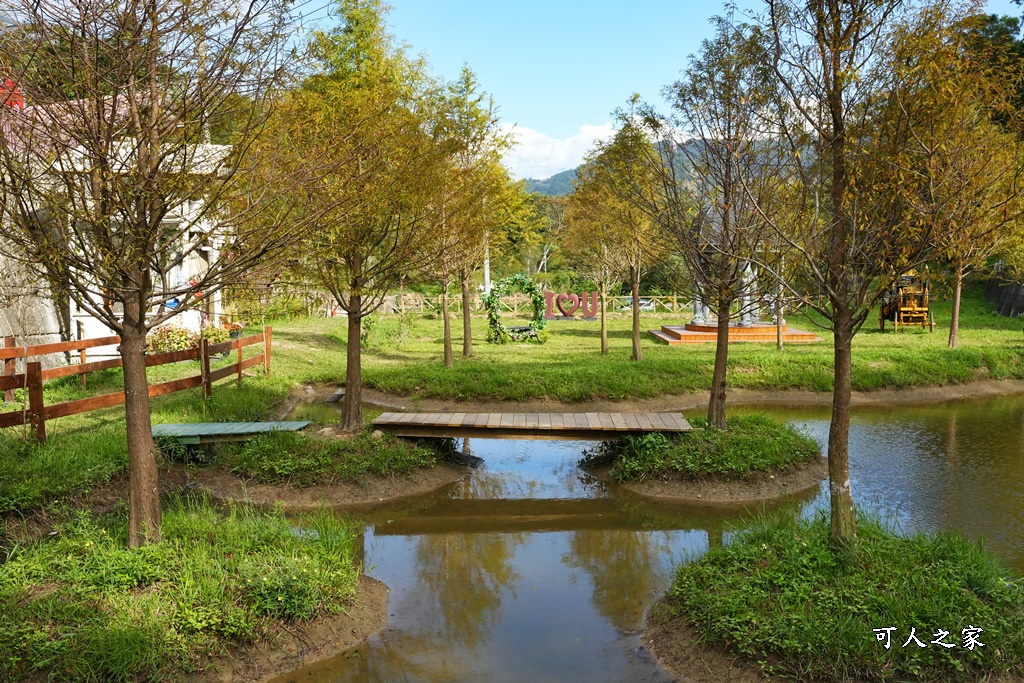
569,426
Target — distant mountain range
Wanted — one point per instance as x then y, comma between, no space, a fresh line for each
557,185
561,184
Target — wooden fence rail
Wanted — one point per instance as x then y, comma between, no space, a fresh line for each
518,304
36,413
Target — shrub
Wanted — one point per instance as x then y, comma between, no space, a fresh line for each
216,335
171,338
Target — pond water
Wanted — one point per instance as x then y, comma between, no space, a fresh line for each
530,570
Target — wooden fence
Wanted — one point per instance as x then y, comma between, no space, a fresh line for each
520,304
36,414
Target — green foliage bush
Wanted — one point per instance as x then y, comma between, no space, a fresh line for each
81,606
216,335
779,594
171,338
303,460
752,442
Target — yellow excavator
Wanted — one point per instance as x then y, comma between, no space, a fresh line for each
907,302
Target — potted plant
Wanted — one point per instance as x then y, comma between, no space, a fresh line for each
235,329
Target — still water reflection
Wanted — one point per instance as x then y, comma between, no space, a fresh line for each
530,570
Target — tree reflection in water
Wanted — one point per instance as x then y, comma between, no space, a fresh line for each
622,566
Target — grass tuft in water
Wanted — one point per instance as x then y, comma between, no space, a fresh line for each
303,460
780,595
752,443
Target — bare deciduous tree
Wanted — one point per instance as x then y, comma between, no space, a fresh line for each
108,178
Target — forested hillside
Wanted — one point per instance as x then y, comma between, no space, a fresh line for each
557,185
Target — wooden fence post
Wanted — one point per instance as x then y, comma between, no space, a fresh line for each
10,367
80,326
268,332
34,380
204,359
238,343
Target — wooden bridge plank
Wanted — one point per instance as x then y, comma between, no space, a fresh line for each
589,425
679,422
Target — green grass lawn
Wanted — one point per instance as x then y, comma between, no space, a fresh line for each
407,358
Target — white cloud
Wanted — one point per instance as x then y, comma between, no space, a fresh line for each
539,156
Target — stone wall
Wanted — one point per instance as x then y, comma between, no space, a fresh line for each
27,312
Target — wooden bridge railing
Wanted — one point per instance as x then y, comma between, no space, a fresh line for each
34,412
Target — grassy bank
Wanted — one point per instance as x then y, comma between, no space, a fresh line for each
752,443
779,595
302,460
79,606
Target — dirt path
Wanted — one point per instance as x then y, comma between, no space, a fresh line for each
937,394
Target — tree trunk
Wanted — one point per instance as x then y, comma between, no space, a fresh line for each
604,318
778,318
449,357
467,316
352,406
634,285
844,521
954,321
143,491
716,404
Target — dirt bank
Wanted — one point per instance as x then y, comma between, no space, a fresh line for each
374,490
755,487
302,644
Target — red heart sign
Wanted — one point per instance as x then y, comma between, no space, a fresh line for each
574,298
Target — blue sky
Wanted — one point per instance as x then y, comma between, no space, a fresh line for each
558,69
